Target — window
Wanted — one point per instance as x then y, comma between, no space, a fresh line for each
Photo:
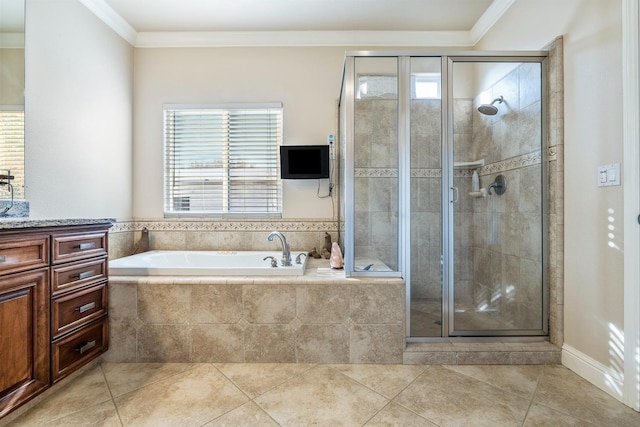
12,150
222,160
423,86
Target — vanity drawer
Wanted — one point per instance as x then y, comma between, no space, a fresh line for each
24,254
71,247
73,351
68,277
71,311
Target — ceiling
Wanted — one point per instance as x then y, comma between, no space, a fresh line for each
300,15
180,23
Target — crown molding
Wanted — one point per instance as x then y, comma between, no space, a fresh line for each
298,38
489,19
106,14
302,38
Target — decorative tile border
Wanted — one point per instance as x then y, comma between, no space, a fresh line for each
375,173
235,225
518,162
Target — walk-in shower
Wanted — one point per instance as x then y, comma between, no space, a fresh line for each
443,175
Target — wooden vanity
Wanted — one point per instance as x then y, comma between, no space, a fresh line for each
53,303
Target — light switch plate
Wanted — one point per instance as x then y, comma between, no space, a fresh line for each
609,175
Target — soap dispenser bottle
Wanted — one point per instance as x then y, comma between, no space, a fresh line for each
475,182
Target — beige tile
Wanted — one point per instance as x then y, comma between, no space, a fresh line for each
429,358
125,377
89,389
163,343
377,303
269,303
321,396
445,397
255,379
122,343
269,344
191,398
388,380
100,415
394,415
322,303
376,344
248,415
566,392
522,380
322,344
217,303
123,300
164,304
541,416
217,343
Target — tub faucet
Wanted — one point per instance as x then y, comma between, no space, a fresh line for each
286,252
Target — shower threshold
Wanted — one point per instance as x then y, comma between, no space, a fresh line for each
482,351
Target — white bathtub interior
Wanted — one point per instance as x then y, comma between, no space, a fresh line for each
206,263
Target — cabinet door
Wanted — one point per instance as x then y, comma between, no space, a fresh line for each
24,337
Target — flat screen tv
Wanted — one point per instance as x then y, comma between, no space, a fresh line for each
304,161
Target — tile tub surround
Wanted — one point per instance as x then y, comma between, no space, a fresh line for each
218,235
296,319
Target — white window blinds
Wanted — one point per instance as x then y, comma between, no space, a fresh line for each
12,150
223,161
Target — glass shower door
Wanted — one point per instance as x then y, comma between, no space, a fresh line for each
426,310
497,205
376,164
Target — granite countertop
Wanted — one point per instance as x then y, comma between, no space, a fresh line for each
10,223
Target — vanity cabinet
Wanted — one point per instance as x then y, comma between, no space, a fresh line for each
53,306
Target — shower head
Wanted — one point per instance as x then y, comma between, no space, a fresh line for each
490,109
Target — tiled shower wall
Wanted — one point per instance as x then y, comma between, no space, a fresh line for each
376,180
506,230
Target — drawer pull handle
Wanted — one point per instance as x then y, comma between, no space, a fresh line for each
86,246
86,307
83,275
3,258
86,347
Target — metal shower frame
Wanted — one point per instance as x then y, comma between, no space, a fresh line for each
347,136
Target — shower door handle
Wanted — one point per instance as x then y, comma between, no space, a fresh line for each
456,195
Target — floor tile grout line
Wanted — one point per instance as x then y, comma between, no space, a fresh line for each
551,407
62,389
191,366
424,371
533,397
313,365
486,382
217,366
113,400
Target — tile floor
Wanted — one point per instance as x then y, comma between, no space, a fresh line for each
171,394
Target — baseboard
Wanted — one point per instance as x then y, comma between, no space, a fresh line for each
593,371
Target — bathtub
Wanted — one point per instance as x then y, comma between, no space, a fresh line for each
204,263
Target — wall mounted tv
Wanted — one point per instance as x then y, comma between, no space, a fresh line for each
304,161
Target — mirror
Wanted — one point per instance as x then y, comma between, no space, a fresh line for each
12,14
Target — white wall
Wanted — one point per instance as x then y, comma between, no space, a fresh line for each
592,31
79,77
305,80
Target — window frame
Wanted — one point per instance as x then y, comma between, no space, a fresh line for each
225,213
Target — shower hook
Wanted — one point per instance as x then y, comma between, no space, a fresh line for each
499,184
